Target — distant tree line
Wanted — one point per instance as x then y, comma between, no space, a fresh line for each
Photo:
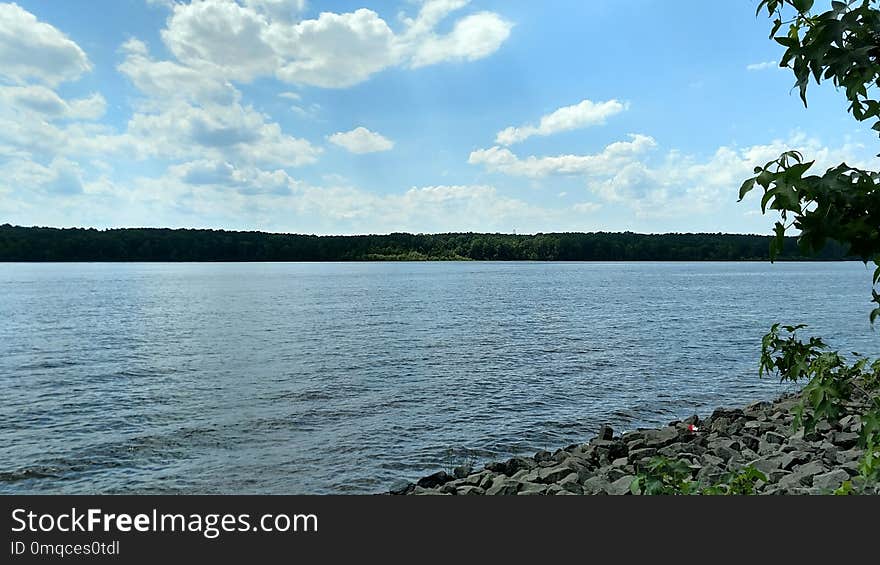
77,244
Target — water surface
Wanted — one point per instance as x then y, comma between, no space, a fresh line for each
289,378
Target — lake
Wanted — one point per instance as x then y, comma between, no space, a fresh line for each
300,378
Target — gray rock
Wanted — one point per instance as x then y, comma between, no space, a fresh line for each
531,489
570,483
543,456
470,491
621,485
435,480
422,491
596,485
606,432
620,462
724,452
462,471
831,480
790,460
774,437
804,474
712,460
643,453
614,473
660,438
503,487
845,440
554,474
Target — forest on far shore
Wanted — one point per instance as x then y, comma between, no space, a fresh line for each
151,244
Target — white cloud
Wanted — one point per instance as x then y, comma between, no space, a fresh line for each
762,66
245,41
335,50
584,114
165,80
232,132
42,101
361,140
472,37
34,50
281,9
502,160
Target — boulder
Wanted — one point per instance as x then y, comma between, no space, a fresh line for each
470,491
606,432
831,480
621,486
661,437
531,489
462,471
596,485
432,481
503,487
846,440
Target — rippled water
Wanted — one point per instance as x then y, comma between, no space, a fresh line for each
322,378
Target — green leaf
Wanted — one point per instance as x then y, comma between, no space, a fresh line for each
746,187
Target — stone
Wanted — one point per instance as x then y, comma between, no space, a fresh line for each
790,460
503,487
831,480
804,473
470,491
774,437
422,491
614,473
560,455
595,485
750,441
767,448
570,483
488,480
543,456
554,474
725,452
621,485
639,454
606,432
620,462
553,489
767,465
531,489
660,438
462,471
435,480
712,460
845,440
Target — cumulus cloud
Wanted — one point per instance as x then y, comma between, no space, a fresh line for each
584,114
473,37
164,80
613,156
46,103
34,50
244,41
762,66
232,132
361,140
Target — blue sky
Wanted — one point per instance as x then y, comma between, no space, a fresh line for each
422,116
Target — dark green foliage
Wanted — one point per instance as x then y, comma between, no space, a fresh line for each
51,244
663,476
832,384
841,45
843,204
744,482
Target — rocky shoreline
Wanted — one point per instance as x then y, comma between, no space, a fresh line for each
759,436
